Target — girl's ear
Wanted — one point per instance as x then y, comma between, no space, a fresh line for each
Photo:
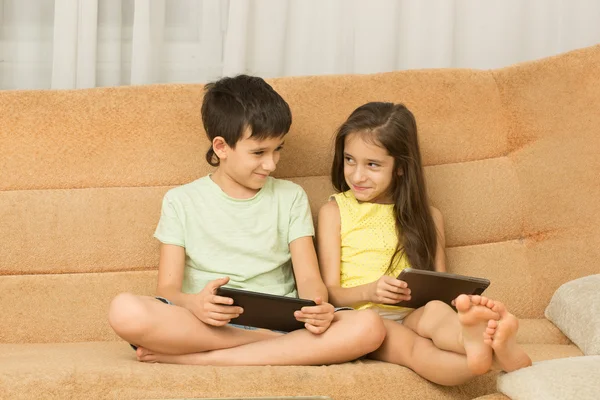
220,147
400,172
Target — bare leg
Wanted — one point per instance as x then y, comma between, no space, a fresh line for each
404,347
460,333
439,322
169,329
351,335
502,337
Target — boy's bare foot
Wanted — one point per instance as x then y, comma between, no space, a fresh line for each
501,335
474,312
145,355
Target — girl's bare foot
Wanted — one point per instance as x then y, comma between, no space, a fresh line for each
501,335
474,312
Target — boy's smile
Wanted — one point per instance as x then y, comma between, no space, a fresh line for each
245,168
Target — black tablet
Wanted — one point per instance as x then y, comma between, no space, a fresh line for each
426,286
266,311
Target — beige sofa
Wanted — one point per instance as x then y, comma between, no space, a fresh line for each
512,160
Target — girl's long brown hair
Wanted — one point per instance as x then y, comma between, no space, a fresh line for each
393,127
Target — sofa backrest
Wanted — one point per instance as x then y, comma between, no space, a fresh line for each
512,159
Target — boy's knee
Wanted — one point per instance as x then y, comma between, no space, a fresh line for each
371,329
126,313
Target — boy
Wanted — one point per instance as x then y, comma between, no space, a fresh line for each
241,227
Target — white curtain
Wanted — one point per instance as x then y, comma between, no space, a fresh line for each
87,43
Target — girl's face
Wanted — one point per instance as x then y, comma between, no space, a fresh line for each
368,169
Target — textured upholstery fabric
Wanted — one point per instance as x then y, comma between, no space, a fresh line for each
109,370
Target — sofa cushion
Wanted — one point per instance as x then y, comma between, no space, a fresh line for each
109,370
575,310
36,317
540,331
567,378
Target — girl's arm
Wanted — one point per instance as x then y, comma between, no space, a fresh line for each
386,290
329,247
440,256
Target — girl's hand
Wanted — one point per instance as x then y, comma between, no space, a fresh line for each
317,319
212,309
388,290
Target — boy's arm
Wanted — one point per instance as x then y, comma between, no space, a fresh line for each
329,246
306,269
206,306
171,235
317,318
170,274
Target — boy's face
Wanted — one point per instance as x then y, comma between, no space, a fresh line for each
251,161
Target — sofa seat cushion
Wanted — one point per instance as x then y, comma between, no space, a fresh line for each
540,331
109,370
493,396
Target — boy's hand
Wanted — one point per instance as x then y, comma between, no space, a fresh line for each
317,319
388,290
212,309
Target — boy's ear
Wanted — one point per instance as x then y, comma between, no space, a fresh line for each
220,147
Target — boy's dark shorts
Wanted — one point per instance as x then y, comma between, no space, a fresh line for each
249,328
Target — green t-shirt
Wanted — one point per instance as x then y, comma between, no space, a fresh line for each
247,240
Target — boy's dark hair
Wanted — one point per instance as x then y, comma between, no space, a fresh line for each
231,105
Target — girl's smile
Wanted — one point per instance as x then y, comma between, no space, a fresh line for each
368,169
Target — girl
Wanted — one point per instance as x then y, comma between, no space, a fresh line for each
379,223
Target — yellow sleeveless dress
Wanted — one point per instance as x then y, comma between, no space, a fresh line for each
368,241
